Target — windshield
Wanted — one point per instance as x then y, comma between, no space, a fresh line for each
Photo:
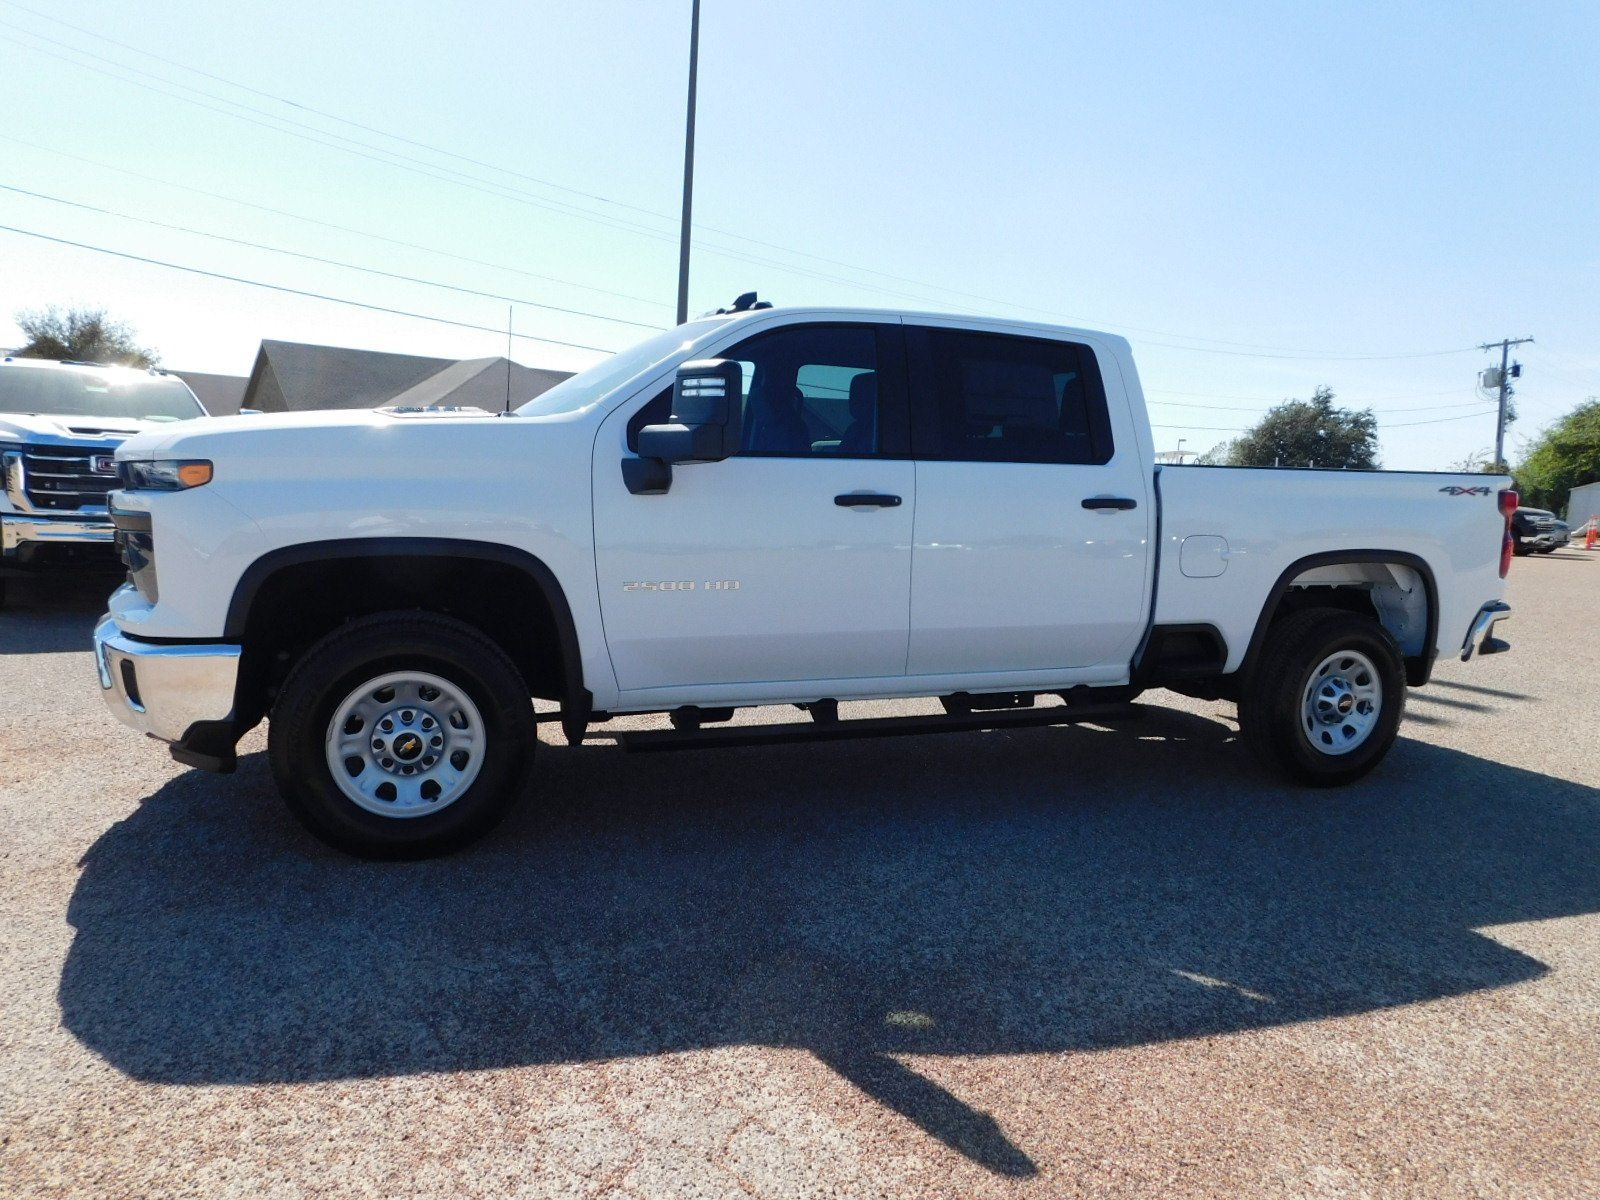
113,392
587,386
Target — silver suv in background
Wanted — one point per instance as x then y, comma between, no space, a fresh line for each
60,426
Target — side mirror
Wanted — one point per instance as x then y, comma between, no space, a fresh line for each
706,425
707,421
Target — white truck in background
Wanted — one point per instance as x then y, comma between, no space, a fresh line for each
60,426
763,507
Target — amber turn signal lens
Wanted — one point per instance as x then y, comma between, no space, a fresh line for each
194,474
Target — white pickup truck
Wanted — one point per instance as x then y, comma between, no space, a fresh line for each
763,507
60,426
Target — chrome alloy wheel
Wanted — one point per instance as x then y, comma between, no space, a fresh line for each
1341,703
405,745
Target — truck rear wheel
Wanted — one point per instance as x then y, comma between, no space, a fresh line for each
1324,702
402,735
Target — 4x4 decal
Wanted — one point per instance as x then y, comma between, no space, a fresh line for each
1457,490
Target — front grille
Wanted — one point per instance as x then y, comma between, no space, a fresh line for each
63,478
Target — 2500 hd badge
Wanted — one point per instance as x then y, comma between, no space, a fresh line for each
684,585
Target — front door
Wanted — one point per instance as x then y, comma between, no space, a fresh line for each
1012,573
790,561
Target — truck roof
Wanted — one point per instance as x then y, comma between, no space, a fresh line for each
830,312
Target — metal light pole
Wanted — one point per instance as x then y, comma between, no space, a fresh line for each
688,167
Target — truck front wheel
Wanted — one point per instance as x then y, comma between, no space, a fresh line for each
1324,702
402,735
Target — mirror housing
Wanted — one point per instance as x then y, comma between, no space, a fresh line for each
707,416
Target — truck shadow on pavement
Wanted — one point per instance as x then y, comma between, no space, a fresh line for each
52,616
1032,891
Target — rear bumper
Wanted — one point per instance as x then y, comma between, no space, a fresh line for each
181,694
1549,541
1480,634
21,531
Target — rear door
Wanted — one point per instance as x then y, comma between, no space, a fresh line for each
1034,513
789,561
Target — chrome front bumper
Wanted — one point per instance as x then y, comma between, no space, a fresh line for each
20,529
164,690
1480,635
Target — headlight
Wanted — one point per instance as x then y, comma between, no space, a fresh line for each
163,475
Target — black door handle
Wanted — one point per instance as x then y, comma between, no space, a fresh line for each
866,500
1117,502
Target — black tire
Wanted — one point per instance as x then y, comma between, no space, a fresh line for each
1271,714
1521,549
367,649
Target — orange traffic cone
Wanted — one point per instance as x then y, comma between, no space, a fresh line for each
1590,537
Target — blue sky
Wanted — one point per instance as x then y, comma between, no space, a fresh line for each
1262,197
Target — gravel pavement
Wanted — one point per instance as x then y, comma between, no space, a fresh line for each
1045,963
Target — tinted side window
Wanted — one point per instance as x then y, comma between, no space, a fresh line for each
811,390
985,397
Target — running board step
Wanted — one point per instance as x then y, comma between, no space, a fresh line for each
722,736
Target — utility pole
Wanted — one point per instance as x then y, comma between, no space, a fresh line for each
1505,345
688,166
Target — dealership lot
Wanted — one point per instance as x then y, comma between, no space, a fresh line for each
1049,962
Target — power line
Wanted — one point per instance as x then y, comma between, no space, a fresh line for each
1382,424
191,189
238,200
430,170
427,170
1435,420
430,147
1311,356
323,113
1350,403
310,133
1591,385
276,287
490,329
1273,399
332,262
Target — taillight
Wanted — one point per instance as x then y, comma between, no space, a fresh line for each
1508,509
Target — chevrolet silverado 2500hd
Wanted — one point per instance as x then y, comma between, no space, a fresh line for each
763,507
60,426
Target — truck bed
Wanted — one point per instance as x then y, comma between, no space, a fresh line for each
1231,536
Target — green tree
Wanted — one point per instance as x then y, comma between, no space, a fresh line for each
1562,457
83,335
1307,433
1480,462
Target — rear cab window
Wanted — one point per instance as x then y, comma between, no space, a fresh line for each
993,397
